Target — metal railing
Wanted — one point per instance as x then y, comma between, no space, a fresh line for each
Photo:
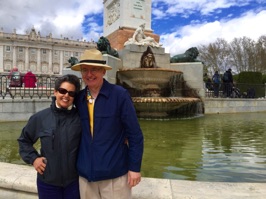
44,88
225,90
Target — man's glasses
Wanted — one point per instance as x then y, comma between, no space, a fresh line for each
92,70
64,91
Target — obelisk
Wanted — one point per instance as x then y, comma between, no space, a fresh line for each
122,17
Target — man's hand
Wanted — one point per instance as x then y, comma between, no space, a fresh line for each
133,178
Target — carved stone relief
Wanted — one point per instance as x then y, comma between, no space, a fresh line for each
113,12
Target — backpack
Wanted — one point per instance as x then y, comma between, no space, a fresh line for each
225,77
15,79
216,79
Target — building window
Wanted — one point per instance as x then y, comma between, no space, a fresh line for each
33,51
76,54
44,51
20,49
7,48
66,54
56,52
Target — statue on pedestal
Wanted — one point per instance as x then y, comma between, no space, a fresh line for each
104,46
139,38
189,56
72,61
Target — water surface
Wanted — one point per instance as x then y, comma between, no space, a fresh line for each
222,147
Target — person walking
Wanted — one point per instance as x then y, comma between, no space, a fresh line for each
59,130
29,80
111,148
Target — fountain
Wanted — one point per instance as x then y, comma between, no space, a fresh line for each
158,88
158,92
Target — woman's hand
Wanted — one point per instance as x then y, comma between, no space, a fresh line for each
40,164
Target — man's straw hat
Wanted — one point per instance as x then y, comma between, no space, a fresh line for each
91,57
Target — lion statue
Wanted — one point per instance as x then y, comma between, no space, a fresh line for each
147,59
104,46
72,61
189,56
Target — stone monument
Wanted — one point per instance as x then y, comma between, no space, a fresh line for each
158,89
123,17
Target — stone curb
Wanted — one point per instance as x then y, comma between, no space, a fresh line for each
19,181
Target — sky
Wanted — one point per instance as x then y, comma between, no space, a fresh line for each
181,24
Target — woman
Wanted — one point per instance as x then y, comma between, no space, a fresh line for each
59,131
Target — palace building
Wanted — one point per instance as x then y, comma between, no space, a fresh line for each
41,55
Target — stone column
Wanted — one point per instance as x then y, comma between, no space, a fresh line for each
123,17
38,60
61,61
14,56
27,58
1,57
50,62
126,14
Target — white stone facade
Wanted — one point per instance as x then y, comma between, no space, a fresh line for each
42,55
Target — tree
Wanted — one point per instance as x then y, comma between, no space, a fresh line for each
215,55
261,54
242,54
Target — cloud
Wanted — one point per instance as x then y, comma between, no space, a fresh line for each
249,25
181,23
48,16
188,7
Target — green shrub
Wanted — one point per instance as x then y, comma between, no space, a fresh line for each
263,79
248,79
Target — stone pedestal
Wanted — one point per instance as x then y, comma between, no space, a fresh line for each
126,14
131,56
116,64
193,75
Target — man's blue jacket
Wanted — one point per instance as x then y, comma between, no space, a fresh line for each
107,154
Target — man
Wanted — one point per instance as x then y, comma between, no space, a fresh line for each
228,83
29,80
111,147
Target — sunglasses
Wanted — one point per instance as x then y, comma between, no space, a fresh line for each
64,91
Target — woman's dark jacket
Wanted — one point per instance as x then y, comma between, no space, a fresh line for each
59,131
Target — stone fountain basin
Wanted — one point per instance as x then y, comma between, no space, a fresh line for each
156,104
153,107
148,78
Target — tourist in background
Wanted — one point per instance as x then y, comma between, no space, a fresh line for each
228,83
216,83
59,131
111,148
29,80
15,78
208,82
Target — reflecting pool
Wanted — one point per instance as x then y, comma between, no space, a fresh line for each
222,147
